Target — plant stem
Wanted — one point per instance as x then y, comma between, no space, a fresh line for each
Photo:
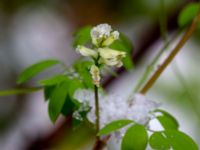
19,91
99,145
150,67
156,75
97,109
172,55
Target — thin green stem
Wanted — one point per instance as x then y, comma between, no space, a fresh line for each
19,91
97,109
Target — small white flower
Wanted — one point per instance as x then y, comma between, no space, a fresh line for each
102,35
113,36
111,57
94,71
86,51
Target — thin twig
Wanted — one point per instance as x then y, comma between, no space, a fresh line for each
172,55
150,67
19,91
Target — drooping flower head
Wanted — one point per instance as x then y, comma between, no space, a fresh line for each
102,37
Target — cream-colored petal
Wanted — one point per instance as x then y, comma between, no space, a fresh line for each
86,51
110,53
113,36
111,57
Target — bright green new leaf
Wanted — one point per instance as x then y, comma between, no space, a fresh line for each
128,63
74,84
82,36
35,69
174,139
167,120
188,14
54,80
180,141
159,141
57,100
113,126
136,138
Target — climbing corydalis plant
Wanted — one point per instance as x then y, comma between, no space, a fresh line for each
77,91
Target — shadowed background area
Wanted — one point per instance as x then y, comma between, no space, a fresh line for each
39,29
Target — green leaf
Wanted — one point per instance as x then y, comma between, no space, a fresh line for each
128,63
74,85
35,69
83,67
48,90
113,126
53,80
68,106
19,91
57,100
159,141
188,14
167,120
70,103
180,141
127,43
82,36
124,44
136,138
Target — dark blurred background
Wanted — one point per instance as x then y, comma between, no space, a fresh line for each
32,30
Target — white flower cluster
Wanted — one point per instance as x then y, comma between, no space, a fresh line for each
113,107
102,37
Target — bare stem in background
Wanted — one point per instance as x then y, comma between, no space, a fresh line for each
172,55
150,67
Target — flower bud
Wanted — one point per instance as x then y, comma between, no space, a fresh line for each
94,71
102,35
113,36
86,51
